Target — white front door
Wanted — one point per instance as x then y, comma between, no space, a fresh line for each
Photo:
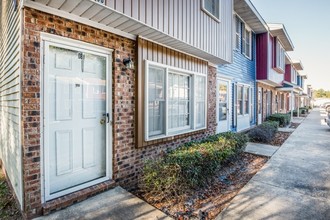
223,105
259,105
76,119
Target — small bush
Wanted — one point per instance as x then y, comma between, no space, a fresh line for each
303,110
189,166
282,119
264,133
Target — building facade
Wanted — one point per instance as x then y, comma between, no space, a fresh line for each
93,88
271,48
236,84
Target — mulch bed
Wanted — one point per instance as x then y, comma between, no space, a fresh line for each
8,206
280,138
208,202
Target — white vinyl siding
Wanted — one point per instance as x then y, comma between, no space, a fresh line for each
176,101
10,150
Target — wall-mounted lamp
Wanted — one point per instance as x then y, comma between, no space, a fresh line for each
128,62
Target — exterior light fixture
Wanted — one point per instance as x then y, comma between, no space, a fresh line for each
128,62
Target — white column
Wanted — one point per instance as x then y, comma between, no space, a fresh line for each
298,106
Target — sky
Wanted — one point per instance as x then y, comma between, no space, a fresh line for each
307,23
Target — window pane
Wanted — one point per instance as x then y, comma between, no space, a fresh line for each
223,94
238,32
246,100
212,6
243,40
247,40
200,85
240,100
156,101
179,101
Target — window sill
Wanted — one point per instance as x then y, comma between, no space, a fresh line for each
211,15
172,135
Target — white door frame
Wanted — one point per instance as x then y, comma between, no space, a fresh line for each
66,43
260,97
229,97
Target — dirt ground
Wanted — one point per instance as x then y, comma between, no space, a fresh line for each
294,125
8,206
208,202
280,138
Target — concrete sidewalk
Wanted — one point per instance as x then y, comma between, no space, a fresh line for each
295,182
115,204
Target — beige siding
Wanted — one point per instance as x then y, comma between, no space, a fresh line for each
184,20
10,152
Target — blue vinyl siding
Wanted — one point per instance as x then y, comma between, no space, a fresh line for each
242,70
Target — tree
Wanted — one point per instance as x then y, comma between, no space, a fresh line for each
321,93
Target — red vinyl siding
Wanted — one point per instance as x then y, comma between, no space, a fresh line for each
262,56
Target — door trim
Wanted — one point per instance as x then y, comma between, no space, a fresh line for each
45,41
229,102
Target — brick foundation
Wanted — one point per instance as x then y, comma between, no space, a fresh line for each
127,159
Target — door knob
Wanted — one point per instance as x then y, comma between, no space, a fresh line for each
102,121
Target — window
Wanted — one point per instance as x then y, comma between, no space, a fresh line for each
282,101
246,42
243,39
246,100
212,8
156,100
251,97
175,101
293,75
238,33
239,100
223,96
243,100
280,57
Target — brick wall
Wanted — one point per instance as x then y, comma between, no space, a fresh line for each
127,159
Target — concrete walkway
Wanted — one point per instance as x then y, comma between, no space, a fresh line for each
115,204
260,149
295,182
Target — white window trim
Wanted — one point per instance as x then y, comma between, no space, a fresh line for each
209,13
171,132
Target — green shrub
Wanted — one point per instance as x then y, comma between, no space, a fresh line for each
190,166
303,110
282,119
264,133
